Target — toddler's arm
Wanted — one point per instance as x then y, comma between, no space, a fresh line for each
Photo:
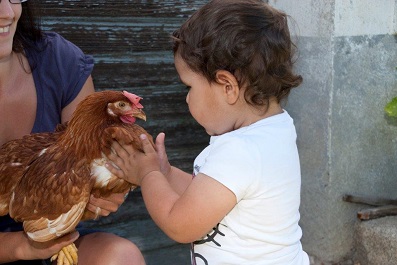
184,208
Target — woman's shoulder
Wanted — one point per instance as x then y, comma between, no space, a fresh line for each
55,44
58,55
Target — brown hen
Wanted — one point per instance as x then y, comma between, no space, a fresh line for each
47,178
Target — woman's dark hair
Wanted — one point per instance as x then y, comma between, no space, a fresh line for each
248,38
28,28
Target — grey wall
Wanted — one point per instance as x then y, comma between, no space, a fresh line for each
348,55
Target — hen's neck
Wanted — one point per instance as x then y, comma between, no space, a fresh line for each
83,137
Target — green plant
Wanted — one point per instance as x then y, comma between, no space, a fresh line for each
391,107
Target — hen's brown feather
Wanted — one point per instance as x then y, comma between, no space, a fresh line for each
15,156
47,178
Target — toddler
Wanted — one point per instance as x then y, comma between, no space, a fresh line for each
242,204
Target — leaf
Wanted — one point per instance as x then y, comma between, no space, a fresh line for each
391,108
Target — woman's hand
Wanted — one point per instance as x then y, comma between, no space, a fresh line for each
133,165
26,249
103,206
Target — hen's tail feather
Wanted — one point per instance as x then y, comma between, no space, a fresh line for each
43,229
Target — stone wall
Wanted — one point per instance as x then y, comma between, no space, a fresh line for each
348,55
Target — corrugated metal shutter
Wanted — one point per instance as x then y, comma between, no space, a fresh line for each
130,41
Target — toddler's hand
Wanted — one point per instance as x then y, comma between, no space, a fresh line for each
131,164
165,166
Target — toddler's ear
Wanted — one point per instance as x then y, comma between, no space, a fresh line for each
230,85
224,77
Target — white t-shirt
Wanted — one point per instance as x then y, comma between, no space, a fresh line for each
260,165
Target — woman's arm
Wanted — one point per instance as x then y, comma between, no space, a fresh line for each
17,246
86,90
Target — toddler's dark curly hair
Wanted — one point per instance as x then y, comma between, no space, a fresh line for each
248,38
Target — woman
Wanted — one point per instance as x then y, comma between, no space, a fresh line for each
42,79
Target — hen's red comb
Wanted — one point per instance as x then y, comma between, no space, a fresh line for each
134,99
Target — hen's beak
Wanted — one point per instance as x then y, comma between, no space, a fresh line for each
140,114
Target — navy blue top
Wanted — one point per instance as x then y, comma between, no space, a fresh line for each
60,69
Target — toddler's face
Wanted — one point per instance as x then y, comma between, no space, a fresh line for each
205,100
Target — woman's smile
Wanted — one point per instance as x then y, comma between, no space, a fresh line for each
5,29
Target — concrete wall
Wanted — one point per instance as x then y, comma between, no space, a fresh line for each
347,56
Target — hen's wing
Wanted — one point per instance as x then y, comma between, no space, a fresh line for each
52,194
15,157
128,134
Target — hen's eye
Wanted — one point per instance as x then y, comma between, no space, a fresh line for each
121,104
